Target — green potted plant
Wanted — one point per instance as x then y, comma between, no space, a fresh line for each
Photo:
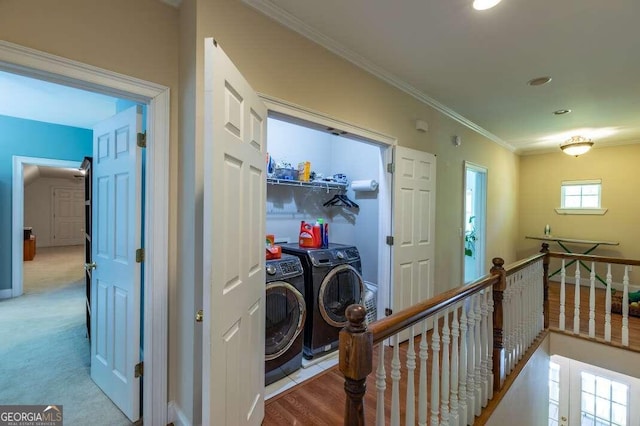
470,238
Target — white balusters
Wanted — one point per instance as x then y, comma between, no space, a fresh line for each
471,362
411,367
435,373
484,348
607,306
454,418
395,383
381,386
422,392
462,388
445,371
625,307
478,351
563,276
576,301
490,344
592,301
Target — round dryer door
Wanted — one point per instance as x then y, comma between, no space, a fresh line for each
341,287
285,315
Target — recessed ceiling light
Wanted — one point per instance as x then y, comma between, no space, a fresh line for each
485,4
562,111
538,81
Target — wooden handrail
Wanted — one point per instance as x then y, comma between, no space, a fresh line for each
357,340
594,258
395,323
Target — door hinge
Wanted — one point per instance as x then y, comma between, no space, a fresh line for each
388,311
391,167
139,369
140,255
390,240
142,140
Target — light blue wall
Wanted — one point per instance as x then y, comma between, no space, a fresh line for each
29,138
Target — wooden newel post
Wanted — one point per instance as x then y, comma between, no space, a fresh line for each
545,268
499,362
356,352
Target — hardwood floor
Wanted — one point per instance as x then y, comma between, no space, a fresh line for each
320,401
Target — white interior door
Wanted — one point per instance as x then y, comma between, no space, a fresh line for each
234,225
414,203
115,281
68,216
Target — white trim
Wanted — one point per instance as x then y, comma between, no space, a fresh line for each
290,21
17,212
177,416
33,63
581,182
5,294
581,211
468,165
284,107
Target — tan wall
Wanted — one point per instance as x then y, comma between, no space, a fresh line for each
526,403
539,195
283,64
137,38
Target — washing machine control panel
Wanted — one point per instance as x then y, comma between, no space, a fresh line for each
286,267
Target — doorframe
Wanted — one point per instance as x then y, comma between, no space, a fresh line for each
385,181
17,209
44,66
468,165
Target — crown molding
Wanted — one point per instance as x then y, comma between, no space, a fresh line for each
290,21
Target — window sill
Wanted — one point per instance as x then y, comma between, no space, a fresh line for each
581,211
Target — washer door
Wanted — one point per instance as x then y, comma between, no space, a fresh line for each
341,287
285,315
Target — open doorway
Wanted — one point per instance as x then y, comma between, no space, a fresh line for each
474,226
31,63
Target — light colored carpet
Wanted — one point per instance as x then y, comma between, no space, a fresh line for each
53,267
44,353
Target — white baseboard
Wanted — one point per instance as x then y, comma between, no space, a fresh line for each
6,293
176,415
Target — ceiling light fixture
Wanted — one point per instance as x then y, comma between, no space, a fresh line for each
485,4
539,81
577,145
562,111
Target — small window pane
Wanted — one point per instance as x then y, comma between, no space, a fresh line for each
588,403
554,391
572,190
603,407
553,411
600,422
619,414
572,201
553,422
590,189
619,393
587,420
554,373
590,201
588,383
603,387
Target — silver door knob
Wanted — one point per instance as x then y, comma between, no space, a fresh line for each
199,316
90,266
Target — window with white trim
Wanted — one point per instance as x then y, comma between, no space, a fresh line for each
581,194
554,394
603,401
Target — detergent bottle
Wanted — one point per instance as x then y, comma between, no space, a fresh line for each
306,238
318,230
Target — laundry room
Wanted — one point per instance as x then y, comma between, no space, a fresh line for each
327,197
333,159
